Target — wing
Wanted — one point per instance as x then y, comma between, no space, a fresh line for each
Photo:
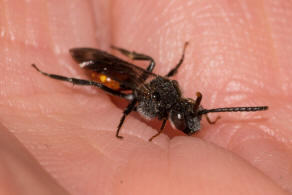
126,74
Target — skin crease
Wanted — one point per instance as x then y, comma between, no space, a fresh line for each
239,55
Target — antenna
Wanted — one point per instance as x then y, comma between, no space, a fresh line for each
234,109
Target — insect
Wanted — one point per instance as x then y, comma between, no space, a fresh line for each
152,95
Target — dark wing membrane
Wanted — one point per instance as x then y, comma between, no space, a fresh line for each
127,74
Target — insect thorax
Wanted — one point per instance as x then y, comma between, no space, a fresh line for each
156,98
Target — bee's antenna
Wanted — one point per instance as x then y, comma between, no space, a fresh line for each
234,109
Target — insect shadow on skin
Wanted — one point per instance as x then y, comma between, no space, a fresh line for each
151,95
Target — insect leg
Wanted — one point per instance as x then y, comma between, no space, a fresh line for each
136,56
210,121
173,71
197,105
159,132
76,81
127,111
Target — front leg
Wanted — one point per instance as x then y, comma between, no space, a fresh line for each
210,121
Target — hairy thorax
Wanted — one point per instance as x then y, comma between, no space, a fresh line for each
156,98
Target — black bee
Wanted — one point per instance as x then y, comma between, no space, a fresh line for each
150,94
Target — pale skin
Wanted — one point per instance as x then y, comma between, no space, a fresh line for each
239,55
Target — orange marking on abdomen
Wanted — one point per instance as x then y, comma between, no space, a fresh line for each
105,80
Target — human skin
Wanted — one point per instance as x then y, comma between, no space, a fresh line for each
53,132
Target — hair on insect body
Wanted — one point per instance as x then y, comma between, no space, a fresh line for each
152,95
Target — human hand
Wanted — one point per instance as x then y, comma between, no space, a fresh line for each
239,55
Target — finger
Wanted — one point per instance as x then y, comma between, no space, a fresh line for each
20,171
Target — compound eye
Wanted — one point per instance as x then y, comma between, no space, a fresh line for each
178,120
156,96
